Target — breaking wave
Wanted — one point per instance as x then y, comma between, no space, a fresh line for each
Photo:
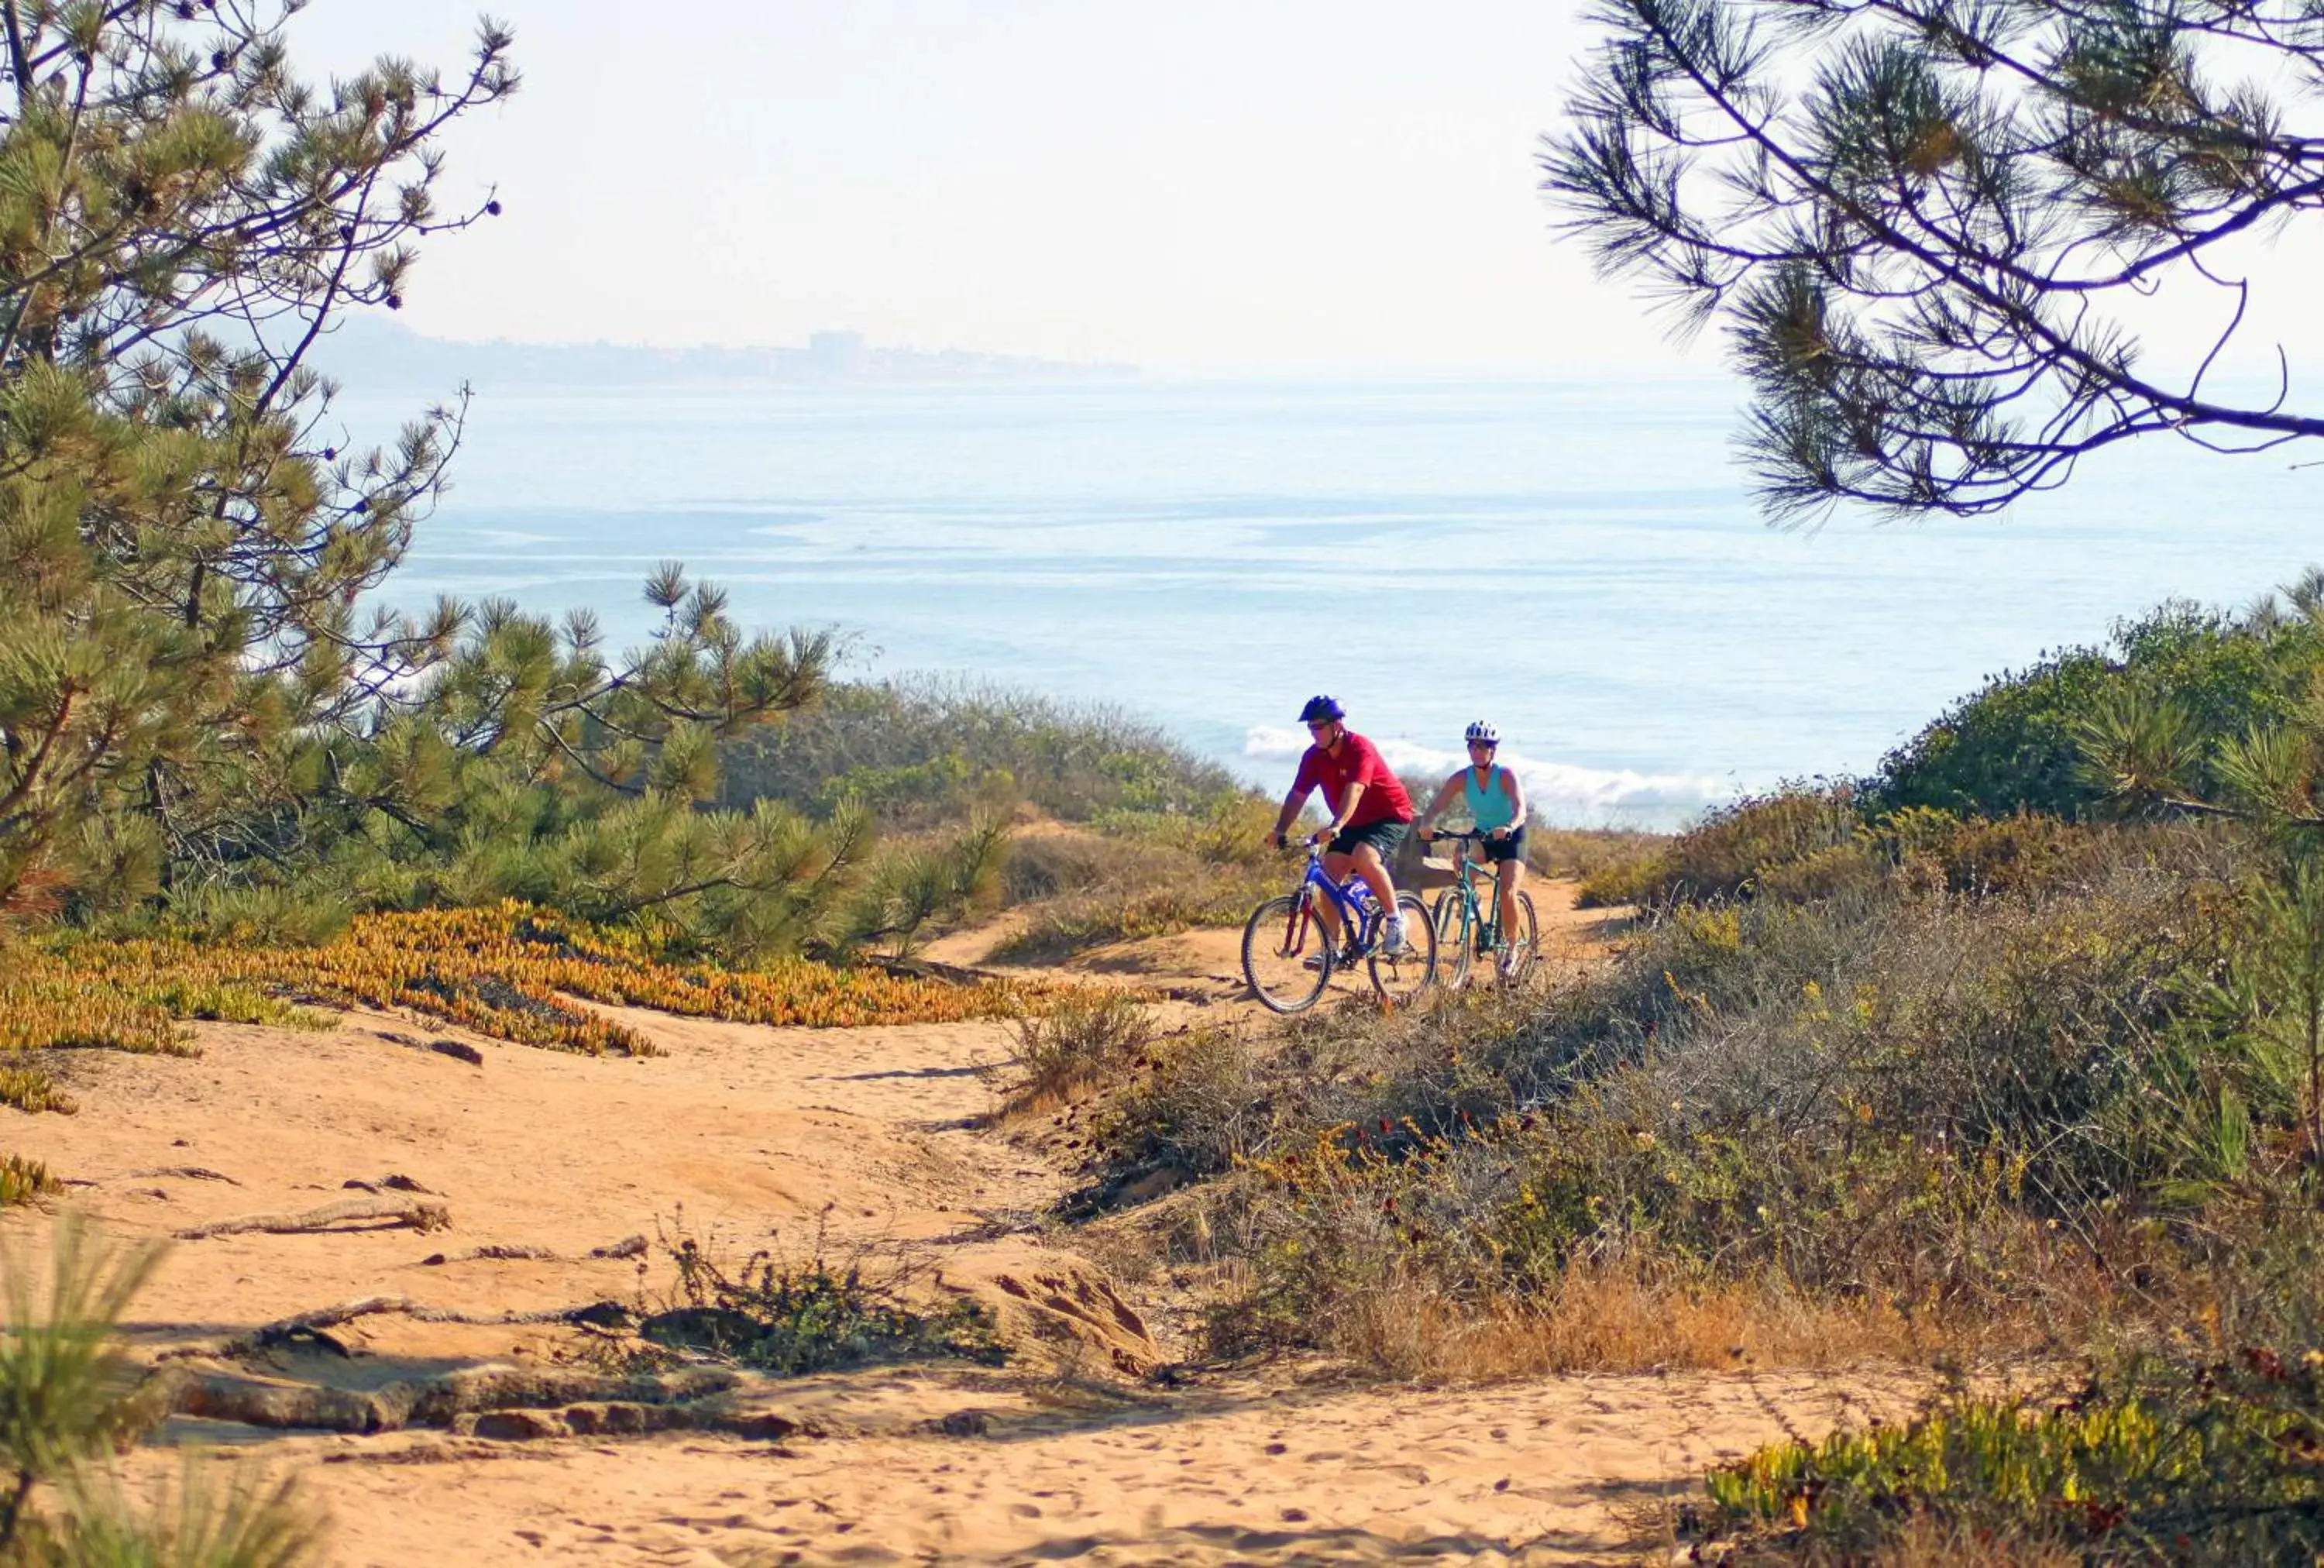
1559,792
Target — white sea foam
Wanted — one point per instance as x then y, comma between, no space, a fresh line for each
1559,792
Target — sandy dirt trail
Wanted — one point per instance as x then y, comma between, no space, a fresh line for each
752,1137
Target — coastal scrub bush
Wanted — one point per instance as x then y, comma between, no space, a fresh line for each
1137,874
1733,846
2011,1111
1584,853
915,751
791,1318
2221,1463
1078,1042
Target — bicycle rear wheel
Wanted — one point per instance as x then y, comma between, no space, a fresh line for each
1400,977
1526,941
1456,939
1281,935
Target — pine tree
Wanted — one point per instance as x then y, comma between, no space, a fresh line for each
1929,223
182,548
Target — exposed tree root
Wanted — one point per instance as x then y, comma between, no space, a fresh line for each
311,1324
509,1251
417,1402
191,1173
419,1216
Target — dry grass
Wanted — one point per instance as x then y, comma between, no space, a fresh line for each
1610,1320
1139,875
1074,1046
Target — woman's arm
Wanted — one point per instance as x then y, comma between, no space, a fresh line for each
1516,798
1444,799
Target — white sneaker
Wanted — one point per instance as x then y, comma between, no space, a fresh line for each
1510,958
1392,942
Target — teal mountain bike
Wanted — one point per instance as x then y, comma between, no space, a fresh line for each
1289,960
1468,921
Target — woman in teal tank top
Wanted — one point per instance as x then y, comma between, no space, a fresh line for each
1496,805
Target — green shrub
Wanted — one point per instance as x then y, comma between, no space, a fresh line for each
1140,875
2011,747
1582,853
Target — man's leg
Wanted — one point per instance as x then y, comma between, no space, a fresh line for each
1335,866
1369,867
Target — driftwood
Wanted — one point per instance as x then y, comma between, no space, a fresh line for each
419,1401
419,1216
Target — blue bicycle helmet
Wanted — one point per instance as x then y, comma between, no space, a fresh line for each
1322,710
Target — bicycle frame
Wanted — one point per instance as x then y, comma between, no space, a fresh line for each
1355,917
1474,910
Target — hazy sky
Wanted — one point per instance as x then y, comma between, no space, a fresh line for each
1211,184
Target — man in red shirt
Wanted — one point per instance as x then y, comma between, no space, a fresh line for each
1369,811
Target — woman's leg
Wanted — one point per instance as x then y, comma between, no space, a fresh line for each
1510,875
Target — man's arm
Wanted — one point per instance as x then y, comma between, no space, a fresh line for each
1292,802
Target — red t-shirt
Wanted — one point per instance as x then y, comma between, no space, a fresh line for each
1358,762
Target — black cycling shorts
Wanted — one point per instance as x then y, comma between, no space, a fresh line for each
1383,836
1498,850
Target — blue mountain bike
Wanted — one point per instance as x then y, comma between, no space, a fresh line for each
1289,958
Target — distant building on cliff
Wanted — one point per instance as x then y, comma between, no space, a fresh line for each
370,352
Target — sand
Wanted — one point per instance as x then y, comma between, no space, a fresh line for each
866,1138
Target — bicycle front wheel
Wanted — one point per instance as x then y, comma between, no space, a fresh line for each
1456,939
1399,977
1278,939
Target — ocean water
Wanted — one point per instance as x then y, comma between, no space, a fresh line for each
1577,561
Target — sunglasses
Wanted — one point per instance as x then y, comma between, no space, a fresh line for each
1320,725
1483,745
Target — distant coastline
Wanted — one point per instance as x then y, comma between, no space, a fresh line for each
374,353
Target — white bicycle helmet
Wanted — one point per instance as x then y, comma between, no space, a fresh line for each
1481,731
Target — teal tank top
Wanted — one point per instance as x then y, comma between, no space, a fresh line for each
1491,807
